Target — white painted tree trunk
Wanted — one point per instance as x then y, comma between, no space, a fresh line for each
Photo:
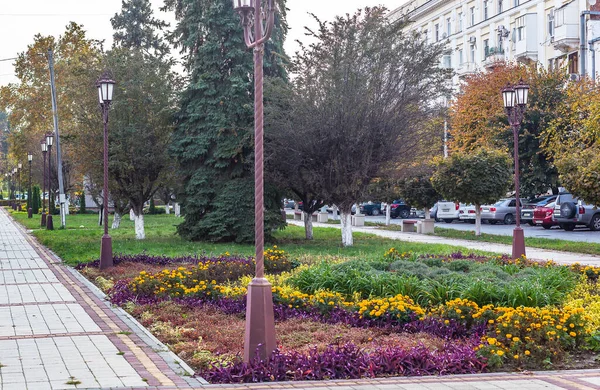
116,220
167,209
388,214
346,219
427,215
308,225
67,206
477,220
100,210
177,210
131,215
140,234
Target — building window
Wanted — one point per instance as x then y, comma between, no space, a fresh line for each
472,52
551,23
472,16
500,6
426,35
448,27
460,56
448,61
486,47
437,32
516,3
520,25
460,21
485,10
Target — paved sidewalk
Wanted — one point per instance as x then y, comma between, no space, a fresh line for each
56,332
532,253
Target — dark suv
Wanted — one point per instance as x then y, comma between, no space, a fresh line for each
399,209
570,212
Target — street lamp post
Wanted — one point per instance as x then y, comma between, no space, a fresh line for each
44,151
49,143
515,104
260,322
29,209
105,94
15,189
19,167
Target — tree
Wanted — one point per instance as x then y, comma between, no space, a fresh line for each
478,120
358,98
573,138
82,205
418,191
213,138
36,200
476,177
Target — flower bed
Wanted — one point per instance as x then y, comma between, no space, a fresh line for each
473,312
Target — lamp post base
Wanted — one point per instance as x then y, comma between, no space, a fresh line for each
43,223
518,246
106,259
260,320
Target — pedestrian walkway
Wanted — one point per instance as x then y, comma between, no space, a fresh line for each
57,333
559,257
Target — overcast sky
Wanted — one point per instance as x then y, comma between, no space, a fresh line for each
21,20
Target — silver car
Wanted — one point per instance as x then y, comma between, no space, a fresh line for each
503,210
570,211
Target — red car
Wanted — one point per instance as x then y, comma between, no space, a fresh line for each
542,216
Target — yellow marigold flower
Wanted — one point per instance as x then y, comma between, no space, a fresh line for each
516,356
515,339
491,341
500,353
527,352
572,334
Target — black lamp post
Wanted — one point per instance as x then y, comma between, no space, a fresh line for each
29,209
105,94
44,151
49,142
19,167
515,103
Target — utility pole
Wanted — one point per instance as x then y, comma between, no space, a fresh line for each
61,188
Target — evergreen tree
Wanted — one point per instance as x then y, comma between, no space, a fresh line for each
213,139
36,200
82,205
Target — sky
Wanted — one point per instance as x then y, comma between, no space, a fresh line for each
21,20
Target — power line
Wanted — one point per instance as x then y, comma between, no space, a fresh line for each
52,15
8,59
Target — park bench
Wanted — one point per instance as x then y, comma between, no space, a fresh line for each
408,225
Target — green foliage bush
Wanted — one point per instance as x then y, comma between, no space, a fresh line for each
431,282
82,205
36,201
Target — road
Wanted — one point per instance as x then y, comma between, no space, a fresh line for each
580,234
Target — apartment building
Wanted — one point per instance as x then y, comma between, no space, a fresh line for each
481,33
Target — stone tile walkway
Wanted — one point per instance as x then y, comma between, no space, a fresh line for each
57,333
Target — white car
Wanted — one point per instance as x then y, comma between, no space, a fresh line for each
448,211
467,214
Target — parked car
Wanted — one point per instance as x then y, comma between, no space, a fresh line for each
542,216
570,211
370,208
448,211
288,204
529,207
467,213
433,213
399,208
503,210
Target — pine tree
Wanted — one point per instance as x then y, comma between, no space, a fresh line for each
36,200
213,139
82,205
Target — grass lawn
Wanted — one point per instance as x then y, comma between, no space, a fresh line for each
543,243
80,242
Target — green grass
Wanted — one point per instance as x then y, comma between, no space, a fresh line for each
589,248
80,242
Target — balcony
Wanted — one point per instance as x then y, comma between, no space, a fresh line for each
465,69
566,28
526,47
493,56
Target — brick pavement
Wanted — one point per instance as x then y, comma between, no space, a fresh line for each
57,332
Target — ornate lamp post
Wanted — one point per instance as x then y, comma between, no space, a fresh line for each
258,21
49,142
105,94
515,104
44,151
29,209
15,188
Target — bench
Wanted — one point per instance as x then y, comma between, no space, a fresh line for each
408,225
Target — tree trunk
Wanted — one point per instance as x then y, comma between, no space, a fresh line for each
67,206
167,209
177,210
427,215
308,225
346,219
116,220
336,215
477,220
131,214
388,214
100,214
140,234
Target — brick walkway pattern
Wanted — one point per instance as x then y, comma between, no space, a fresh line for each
57,333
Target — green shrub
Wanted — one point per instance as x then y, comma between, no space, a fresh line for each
82,205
